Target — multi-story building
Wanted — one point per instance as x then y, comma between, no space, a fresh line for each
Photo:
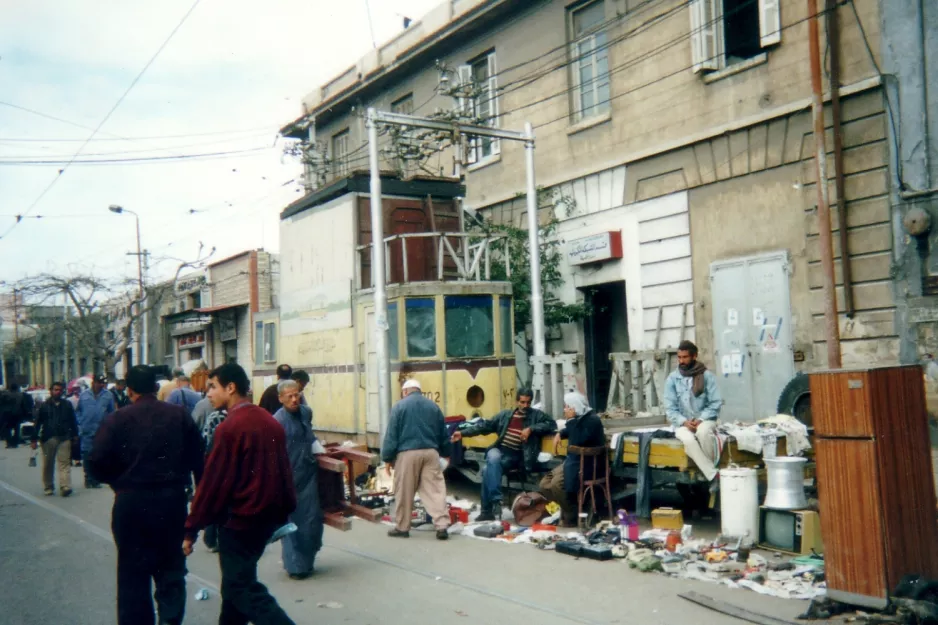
209,316
683,130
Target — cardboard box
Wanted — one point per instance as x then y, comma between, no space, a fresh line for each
667,519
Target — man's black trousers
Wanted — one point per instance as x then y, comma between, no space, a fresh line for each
243,598
148,527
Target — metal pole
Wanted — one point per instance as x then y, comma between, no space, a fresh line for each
138,352
65,364
832,329
833,42
537,297
145,351
382,351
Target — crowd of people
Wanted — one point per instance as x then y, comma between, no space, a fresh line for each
255,469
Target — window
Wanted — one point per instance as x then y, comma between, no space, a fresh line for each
393,325
469,329
504,318
340,160
590,61
479,79
265,342
726,32
403,106
420,324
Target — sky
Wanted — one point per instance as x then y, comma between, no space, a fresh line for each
231,76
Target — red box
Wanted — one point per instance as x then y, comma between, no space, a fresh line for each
458,515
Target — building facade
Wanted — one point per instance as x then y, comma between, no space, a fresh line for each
684,131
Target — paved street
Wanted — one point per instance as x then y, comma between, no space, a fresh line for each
58,560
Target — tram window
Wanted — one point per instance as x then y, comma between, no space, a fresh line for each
392,331
470,332
504,312
420,323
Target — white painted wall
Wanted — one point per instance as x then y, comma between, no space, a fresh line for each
656,262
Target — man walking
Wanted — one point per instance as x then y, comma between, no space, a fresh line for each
519,442
183,395
270,400
692,404
414,443
300,548
120,394
17,407
147,453
247,489
55,430
93,406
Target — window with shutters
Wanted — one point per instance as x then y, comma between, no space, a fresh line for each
340,160
479,81
729,32
404,105
589,56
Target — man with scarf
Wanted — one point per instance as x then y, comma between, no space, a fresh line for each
692,403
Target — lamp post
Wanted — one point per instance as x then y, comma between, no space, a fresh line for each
140,354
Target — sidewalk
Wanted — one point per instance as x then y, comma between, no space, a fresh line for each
376,579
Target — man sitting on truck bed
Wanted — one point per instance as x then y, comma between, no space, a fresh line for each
692,404
519,441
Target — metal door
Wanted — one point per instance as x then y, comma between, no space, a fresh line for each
752,333
372,412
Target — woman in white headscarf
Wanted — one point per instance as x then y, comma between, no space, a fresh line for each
583,428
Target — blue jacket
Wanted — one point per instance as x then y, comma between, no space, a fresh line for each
680,404
415,423
91,411
185,397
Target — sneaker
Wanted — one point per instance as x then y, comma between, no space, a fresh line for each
442,535
396,533
66,492
49,492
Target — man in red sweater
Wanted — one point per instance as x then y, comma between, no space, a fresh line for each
247,490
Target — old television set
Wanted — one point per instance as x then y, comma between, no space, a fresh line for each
790,531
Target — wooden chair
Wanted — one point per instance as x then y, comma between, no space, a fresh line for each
599,456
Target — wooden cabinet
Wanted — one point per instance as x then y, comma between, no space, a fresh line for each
875,481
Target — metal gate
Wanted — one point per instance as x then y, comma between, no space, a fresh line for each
751,333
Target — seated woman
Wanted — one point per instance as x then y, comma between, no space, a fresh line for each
583,428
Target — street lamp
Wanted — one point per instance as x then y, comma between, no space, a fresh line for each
142,345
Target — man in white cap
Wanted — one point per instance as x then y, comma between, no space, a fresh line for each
414,443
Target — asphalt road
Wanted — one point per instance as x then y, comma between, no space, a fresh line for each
57,561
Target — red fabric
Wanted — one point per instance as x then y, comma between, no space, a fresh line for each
248,481
512,438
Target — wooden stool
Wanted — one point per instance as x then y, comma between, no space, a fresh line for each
600,458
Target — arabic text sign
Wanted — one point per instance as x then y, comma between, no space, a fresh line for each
595,248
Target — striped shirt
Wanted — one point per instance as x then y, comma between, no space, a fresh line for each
512,438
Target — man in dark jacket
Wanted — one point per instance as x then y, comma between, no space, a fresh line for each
248,490
147,452
120,394
414,443
270,400
56,430
519,442
17,407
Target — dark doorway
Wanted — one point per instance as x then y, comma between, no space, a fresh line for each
606,331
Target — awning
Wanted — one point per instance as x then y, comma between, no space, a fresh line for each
214,309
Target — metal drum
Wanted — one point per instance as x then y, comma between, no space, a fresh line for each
785,483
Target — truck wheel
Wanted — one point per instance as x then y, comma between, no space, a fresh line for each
795,399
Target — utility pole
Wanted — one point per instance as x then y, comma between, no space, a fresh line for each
65,361
831,322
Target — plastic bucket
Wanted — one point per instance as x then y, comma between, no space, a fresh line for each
739,503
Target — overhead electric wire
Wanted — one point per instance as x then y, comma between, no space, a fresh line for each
122,152
112,137
137,160
114,108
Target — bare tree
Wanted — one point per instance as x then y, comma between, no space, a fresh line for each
94,301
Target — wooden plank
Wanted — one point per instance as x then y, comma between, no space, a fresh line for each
732,610
338,521
327,463
361,457
362,512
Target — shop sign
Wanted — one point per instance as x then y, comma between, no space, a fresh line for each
188,285
595,248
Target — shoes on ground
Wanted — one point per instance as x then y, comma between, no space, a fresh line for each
49,492
442,535
396,533
484,516
65,492
300,576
